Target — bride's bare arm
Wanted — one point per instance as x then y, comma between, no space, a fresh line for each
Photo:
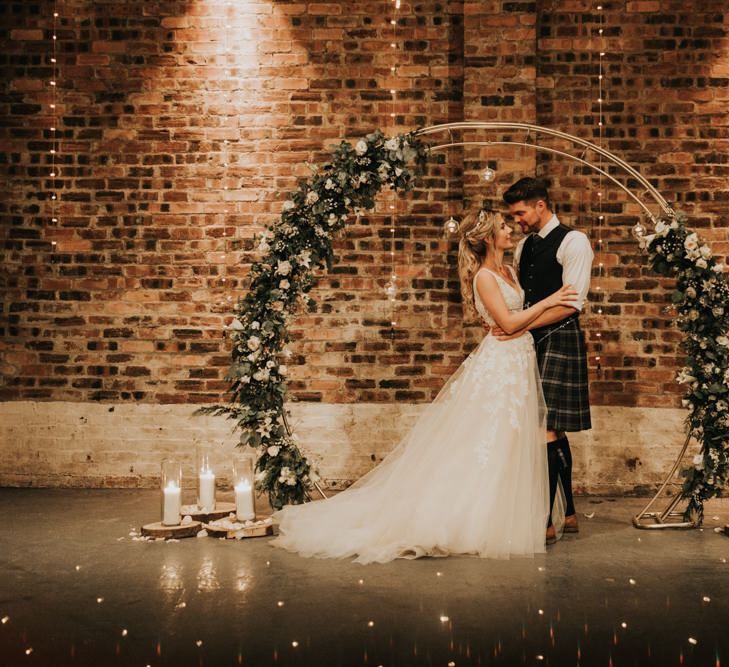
509,322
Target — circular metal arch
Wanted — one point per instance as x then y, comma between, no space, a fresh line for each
537,130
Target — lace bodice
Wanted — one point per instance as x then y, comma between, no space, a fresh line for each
514,297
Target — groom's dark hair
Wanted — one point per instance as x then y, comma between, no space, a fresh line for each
528,190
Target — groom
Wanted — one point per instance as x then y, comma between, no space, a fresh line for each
551,256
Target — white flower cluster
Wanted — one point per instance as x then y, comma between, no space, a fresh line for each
287,476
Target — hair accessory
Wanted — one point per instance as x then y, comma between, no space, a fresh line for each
472,234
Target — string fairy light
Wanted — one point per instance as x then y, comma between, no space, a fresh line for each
53,132
391,287
600,210
226,155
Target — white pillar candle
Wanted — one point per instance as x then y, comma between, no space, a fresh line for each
206,500
171,505
244,501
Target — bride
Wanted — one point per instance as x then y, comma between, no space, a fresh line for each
471,475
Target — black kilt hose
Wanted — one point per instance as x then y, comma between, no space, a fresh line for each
562,361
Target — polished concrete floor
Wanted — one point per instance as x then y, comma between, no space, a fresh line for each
76,589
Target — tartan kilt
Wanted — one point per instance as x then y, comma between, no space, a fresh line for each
562,360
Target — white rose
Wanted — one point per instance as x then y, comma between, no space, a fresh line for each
718,268
723,340
263,247
282,369
284,284
255,325
674,225
312,197
269,364
705,251
332,219
693,314
691,242
718,311
661,228
392,144
288,205
245,379
701,263
329,185
236,325
254,342
273,450
691,292
361,147
278,306
283,268
699,461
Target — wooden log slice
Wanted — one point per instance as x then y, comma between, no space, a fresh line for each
238,530
158,529
220,512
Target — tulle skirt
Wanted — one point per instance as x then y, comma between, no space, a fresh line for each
469,478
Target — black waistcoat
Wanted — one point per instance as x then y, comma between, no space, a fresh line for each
540,274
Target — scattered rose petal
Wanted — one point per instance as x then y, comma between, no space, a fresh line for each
589,515
692,641
706,598
198,643
632,582
4,619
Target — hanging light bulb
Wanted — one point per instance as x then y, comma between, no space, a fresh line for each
451,225
638,230
489,174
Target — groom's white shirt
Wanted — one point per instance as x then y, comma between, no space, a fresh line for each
574,254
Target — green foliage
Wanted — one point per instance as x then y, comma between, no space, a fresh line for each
291,250
701,298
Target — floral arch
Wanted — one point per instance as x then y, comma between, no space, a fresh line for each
300,242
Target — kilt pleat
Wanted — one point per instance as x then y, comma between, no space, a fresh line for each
562,359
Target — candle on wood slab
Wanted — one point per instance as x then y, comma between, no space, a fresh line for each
244,508
206,495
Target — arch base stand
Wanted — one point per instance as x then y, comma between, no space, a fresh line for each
669,517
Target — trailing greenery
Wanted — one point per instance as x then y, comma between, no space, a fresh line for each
291,249
701,298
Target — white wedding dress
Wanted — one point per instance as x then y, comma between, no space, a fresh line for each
469,478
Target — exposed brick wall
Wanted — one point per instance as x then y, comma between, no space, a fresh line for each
155,231
665,95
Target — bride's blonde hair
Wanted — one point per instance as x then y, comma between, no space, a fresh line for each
476,231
